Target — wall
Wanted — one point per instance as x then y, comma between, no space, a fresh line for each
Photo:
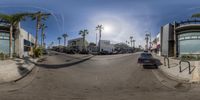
106,46
167,40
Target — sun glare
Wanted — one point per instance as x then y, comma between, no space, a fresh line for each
108,29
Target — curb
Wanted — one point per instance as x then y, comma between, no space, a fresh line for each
170,76
25,73
175,78
55,66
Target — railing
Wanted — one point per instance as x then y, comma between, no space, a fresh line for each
167,61
189,66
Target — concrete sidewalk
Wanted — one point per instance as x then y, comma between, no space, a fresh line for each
173,72
12,70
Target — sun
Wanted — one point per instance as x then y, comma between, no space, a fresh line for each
108,29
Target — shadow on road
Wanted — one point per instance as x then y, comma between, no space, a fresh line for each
56,66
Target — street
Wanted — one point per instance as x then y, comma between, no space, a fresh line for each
114,77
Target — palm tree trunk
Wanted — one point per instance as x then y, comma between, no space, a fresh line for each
37,29
83,43
41,39
65,41
11,49
99,40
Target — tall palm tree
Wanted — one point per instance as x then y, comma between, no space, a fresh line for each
99,28
43,35
83,33
38,16
65,36
13,20
59,38
147,40
131,40
134,43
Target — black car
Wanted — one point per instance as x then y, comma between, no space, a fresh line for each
147,60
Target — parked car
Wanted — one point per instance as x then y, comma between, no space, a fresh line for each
45,52
147,60
68,51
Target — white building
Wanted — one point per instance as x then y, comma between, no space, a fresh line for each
77,43
105,45
22,41
156,45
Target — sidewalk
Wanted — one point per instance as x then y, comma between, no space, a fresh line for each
174,72
60,60
12,70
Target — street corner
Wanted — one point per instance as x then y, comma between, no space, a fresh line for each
16,69
19,83
171,84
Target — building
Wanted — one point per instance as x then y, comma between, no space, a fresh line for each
181,38
77,44
22,41
156,45
105,45
92,48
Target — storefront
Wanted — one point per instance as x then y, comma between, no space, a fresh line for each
5,42
189,42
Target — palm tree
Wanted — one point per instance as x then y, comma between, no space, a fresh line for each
99,28
43,26
83,33
59,38
65,36
13,20
131,40
147,40
39,16
134,43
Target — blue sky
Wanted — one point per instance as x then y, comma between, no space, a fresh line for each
121,18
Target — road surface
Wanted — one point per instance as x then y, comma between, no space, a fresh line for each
115,77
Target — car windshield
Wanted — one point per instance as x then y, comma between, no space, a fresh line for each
147,55
99,49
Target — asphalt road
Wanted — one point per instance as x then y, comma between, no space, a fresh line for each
100,78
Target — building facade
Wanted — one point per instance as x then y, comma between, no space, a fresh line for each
77,44
105,45
180,38
22,41
156,45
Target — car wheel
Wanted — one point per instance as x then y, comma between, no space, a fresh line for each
156,66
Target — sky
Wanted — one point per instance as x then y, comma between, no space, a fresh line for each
120,18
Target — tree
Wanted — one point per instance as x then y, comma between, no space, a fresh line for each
65,36
59,38
99,28
83,33
43,35
147,40
38,16
13,20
